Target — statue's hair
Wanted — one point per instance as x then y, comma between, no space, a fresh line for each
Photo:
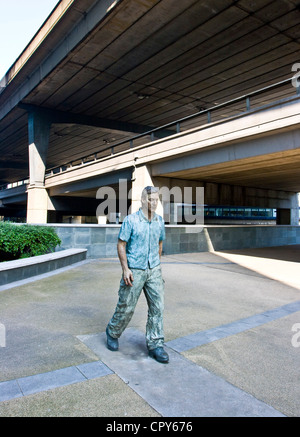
149,190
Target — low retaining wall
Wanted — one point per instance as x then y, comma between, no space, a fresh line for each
101,240
11,271
97,241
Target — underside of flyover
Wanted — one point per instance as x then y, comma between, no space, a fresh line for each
102,72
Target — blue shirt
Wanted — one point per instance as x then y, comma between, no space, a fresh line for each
142,238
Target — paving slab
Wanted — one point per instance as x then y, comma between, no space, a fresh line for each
278,263
9,390
46,381
104,397
239,319
49,380
262,361
179,388
199,338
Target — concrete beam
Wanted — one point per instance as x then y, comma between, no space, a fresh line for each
255,147
13,200
13,192
60,117
274,130
72,34
91,183
72,203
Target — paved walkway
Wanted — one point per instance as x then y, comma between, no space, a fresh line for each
232,331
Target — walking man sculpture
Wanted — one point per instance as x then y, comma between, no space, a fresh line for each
139,250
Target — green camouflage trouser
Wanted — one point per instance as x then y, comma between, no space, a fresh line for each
151,281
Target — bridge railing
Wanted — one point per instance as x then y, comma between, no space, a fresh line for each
254,101
263,98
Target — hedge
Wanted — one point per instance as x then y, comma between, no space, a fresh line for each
23,241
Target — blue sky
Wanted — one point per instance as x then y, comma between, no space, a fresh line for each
19,21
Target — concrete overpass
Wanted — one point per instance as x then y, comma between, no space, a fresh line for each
98,73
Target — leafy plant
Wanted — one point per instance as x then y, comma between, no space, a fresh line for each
23,241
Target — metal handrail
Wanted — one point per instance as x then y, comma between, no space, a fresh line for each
247,97
14,184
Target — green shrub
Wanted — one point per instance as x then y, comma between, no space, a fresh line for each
23,241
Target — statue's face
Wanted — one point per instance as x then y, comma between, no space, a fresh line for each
150,202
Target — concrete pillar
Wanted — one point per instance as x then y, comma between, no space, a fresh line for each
38,136
37,201
289,215
141,178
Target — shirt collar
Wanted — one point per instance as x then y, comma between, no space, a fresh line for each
144,219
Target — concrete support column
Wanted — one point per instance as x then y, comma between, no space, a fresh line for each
37,201
290,214
141,178
38,136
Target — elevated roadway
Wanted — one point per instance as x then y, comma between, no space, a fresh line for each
99,72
